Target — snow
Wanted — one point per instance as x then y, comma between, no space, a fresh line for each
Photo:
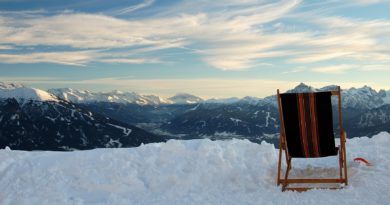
386,99
194,108
235,120
184,98
360,98
85,96
267,119
25,93
126,131
223,100
186,172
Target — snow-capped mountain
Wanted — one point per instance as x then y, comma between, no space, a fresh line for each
85,96
357,98
301,88
189,116
209,120
185,98
32,119
21,93
364,98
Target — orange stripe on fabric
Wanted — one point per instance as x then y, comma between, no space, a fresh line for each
302,124
314,129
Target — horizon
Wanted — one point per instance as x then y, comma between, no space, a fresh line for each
203,97
209,49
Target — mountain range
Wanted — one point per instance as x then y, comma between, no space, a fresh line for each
364,97
66,118
249,117
32,119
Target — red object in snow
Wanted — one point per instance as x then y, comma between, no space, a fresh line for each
363,160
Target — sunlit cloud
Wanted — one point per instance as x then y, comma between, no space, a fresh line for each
227,35
67,58
221,30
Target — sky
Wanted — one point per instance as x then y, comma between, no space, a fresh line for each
225,48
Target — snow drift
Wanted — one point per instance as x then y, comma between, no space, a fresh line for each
186,172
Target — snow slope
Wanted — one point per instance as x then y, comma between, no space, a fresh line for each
20,92
186,172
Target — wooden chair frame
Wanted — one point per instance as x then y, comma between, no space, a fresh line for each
283,146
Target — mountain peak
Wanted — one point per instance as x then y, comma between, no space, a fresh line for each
26,93
185,98
301,84
302,87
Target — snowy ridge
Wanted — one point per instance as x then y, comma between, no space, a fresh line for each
85,96
187,172
185,98
19,92
361,98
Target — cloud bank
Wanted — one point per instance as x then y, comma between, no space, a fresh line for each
227,35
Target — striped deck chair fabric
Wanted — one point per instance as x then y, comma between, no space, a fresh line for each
308,124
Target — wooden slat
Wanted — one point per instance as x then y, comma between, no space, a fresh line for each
296,181
302,189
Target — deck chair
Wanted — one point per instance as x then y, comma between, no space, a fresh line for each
306,131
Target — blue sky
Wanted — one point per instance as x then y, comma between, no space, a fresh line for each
207,48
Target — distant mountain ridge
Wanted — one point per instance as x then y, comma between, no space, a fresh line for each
362,98
186,116
32,119
212,117
84,96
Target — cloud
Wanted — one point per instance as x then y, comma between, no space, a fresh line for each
333,69
67,58
367,2
376,67
6,47
75,30
347,39
130,9
130,60
210,32
228,35
74,58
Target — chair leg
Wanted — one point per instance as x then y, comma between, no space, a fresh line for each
345,165
279,165
285,184
341,161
